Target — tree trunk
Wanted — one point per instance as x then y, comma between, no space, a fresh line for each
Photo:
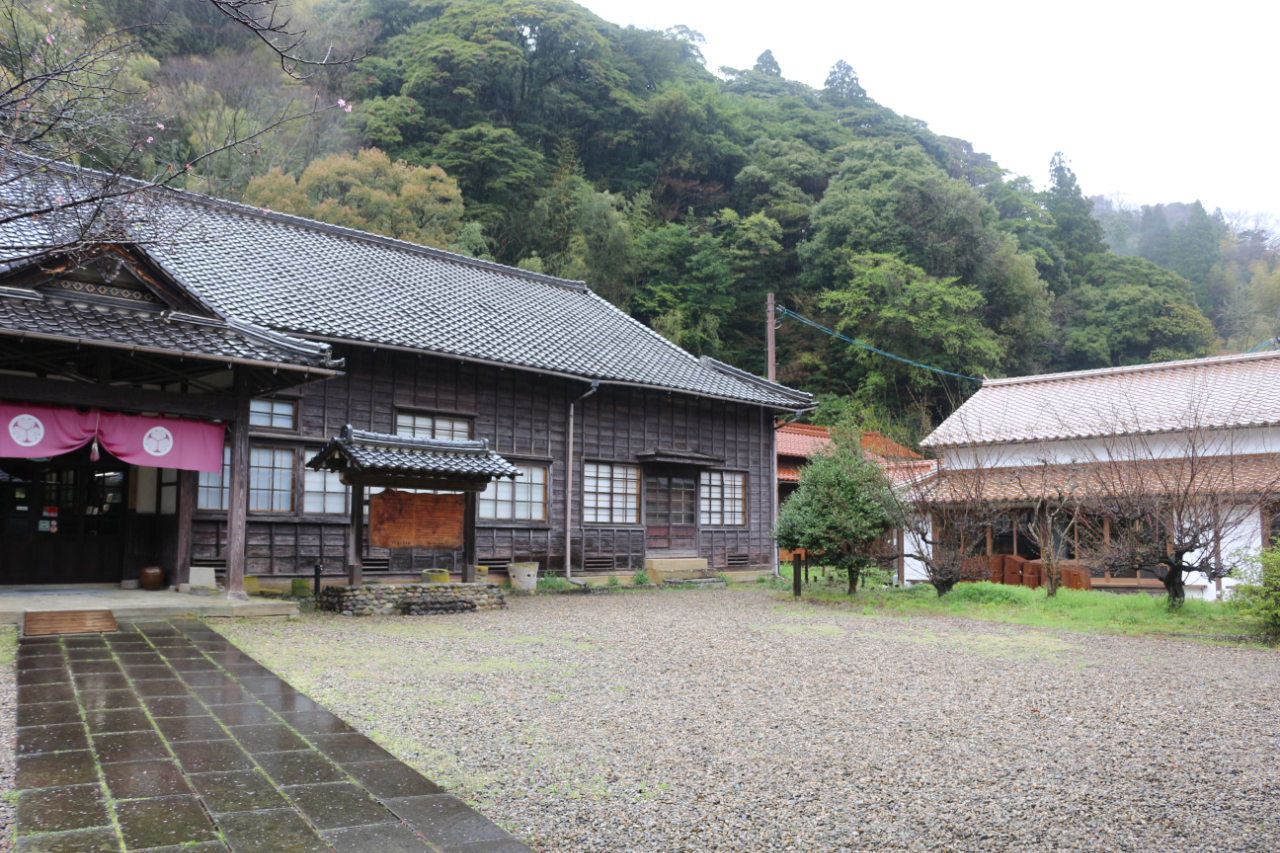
1175,586
1051,578
943,587
853,580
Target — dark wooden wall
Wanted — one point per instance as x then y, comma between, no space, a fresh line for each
525,417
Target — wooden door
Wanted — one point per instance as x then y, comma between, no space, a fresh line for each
671,514
62,520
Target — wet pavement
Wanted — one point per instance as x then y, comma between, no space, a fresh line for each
164,737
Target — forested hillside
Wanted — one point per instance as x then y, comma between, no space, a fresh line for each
540,135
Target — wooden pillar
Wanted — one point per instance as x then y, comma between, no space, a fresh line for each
469,539
355,543
238,507
188,483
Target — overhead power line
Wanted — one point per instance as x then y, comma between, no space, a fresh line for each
1274,342
786,313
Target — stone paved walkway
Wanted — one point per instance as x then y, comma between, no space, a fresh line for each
165,737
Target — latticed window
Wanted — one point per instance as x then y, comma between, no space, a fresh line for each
271,479
611,493
525,498
723,498
323,492
214,490
274,414
433,426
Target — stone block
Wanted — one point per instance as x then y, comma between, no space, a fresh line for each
676,568
204,576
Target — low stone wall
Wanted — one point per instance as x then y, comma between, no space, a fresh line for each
411,599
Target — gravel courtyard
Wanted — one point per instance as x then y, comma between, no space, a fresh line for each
732,721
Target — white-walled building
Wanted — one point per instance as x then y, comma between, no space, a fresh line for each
1202,427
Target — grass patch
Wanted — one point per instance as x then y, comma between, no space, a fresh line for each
8,646
553,582
1073,610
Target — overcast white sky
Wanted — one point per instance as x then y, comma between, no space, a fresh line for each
1157,101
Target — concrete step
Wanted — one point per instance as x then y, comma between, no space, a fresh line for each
701,583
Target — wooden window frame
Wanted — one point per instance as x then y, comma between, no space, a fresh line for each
296,454
345,512
223,488
469,419
639,494
746,505
294,403
544,522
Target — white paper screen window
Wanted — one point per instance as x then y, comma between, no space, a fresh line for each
723,498
610,493
524,499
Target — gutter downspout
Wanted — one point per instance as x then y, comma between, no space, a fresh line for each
568,490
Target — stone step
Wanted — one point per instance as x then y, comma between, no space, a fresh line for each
701,583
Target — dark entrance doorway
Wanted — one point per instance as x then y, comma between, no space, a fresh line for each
62,520
671,513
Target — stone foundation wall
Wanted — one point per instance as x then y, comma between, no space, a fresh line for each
411,599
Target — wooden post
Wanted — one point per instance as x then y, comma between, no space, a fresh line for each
469,540
770,321
238,507
795,575
902,557
188,483
355,543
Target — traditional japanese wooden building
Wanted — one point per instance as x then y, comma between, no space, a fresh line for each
628,448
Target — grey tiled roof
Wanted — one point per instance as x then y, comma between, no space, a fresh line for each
30,312
300,276
378,453
311,278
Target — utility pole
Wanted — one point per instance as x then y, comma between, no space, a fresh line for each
770,322
771,317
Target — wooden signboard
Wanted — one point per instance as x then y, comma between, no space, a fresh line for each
406,520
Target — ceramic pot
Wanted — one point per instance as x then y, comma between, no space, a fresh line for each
151,577
435,576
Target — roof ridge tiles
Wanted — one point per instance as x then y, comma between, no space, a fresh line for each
1098,372
239,209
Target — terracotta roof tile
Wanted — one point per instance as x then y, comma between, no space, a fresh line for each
1257,473
807,439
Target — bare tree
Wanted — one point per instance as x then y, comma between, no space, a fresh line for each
1168,495
1055,496
947,515
1173,514
69,98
